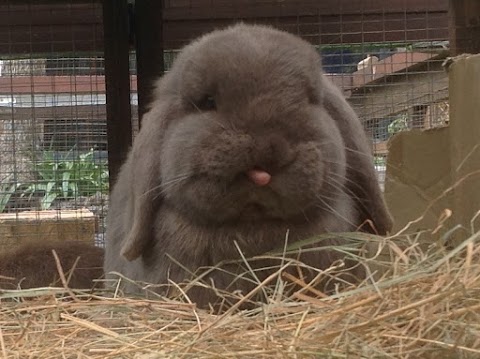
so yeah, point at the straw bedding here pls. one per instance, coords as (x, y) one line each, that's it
(425, 305)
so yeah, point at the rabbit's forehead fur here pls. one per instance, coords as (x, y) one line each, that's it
(253, 73)
(268, 114)
(244, 62)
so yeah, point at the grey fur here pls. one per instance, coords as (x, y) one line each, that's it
(182, 192)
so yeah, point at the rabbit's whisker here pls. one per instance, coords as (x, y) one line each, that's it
(367, 155)
(333, 211)
(168, 183)
(345, 187)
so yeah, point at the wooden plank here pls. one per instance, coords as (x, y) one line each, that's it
(380, 148)
(464, 26)
(77, 27)
(56, 84)
(400, 61)
(328, 30)
(214, 9)
(119, 122)
(33, 27)
(149, 49)
(50, 225)
(50, 13)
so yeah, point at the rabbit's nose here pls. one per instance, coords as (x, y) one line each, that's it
(259, 177)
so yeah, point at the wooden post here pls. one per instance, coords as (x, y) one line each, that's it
(117, 82)
(463, 91)
(149, 49)
(464, 26)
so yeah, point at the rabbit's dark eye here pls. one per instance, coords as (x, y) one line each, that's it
(207, 104)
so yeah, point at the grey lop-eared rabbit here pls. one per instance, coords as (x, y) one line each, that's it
(244, 141)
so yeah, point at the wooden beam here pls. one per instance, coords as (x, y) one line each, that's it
(117, 83)
(76, 26)
(400, 61)
(149, 49)
(322, 29)
(49, 225)
(464, 24)
(218, 9)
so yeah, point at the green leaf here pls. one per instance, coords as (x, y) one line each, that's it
(74, 188)
(50, 186)
(6, 192)
(65, 182)
(47, 200)
(39, 187)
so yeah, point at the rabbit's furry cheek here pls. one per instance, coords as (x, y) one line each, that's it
(205, 165)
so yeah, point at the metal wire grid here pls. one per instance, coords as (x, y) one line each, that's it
(52, 103)
(53, 148)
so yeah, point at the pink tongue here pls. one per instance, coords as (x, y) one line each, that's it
(259, 177)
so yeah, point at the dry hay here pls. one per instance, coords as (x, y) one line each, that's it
(426, 306)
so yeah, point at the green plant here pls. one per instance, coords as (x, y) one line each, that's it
(399, 124)
(66, 176)
(7, 189)
(379, 160)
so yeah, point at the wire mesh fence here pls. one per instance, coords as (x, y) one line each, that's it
(53, 148)
(386, 56)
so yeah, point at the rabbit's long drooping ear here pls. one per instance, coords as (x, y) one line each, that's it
(362, 181)
(143, 189)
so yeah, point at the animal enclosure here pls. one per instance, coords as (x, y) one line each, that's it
(56, 139)
(75, 82)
